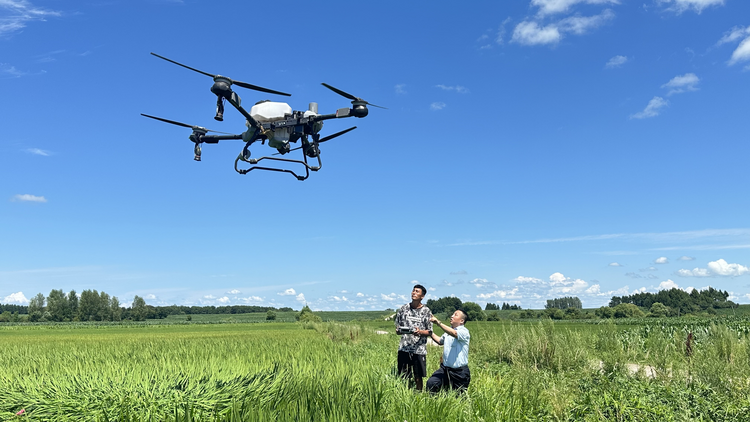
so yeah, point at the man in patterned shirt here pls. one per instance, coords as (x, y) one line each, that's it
(413, 323)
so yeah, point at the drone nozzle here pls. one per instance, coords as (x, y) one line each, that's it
(219, 109)
(197, 151)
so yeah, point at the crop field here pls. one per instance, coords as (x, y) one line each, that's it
(332, 371)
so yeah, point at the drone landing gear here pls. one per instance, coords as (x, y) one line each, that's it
(311, 149)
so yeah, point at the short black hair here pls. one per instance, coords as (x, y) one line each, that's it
(466, 317)
(419, 286)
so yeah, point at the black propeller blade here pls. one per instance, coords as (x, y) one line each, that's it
(350, 96)
(327, 138)
(198, 128)
(238, 83)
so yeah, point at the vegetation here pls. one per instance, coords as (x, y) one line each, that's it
(678, 301)
(564, 303)
(315, 371)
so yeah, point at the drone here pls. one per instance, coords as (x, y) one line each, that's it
(270, 121)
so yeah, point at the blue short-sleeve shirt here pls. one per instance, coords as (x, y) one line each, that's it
(456, 349)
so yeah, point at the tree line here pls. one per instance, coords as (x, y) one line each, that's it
(92, 305)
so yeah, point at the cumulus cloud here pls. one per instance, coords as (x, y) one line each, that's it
(682, 83)
(742, 52)
(300, 298)
(437, 106)
(287, 292)
(233, 292)
(661, 260)
(501, 294)
(615, 264)
(580, 25)
(716, 268)
(209, 297)
(652, 109)
(550, 7)
(530, 33)
(360, 295)
(251, 299)
(16, 299)
(28, 198)
(223, 300)
(667, 285)
(616, 61)
(564, 285)
(527, 280)
(19, 13)
(680, 6)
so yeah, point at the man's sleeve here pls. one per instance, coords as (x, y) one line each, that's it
(398, 318)
(442, 339)
(463, 335)
(428, 323)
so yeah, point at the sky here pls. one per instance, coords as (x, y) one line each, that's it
(529, 150)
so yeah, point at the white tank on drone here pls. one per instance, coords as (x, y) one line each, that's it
(269, 111)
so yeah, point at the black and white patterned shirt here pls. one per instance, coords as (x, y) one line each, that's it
(418, 318)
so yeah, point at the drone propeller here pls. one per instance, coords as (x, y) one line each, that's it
(238, 83)
(350, 96)
(195, 128)
(327, 138)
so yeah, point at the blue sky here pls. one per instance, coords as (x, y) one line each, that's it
(530, 150)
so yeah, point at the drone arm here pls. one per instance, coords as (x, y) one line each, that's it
(214, 139)
(339, 114)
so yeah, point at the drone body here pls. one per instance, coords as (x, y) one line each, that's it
(275, 122)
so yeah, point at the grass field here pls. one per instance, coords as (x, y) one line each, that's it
(333, 371)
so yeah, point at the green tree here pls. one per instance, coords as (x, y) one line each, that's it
(72, 306)
(89, 306)
(492, 307)
(658, 310)
(605, 312)
(114, 309)
(104, 312)
(270, 316)
(473, 311)
(36, 308)
(627, 310)
(5, 316)
(57, 305)
(307, 315)
(138, 308)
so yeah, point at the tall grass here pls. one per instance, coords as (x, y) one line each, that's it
(336, 372)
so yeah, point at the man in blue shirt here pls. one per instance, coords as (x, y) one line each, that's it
(454, 364)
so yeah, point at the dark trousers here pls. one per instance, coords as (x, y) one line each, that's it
(445, 377)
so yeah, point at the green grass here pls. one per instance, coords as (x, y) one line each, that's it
(332, 371)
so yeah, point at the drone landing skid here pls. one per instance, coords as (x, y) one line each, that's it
(255, 161)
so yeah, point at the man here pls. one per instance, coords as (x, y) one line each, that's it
(413, 323)
(454, 365)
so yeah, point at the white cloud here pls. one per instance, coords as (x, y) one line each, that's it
(742, 53)
(233, 292)
(415, 282)
(667, 285)
(616, 61)
(287, 292)
(27, 197)
(223, 299)
(437, 106)
(734, 34)
(400, 89)
(564, 285)
(501, 294)
(482, 283)
(527, 280)
(458, 88)
(686, 258)
(719, 267)
(682, 83)
(251, 299)
(300, 298)
(37, 151)
(615, 264)
(679, 6)
(6, 69)
(19, 13)
(549, 7)
(339, 299)
(579, 25)
(360, 295)
(16, 298)
(661, 260)
(209, 297)
(652, 109)
(150, 296)
(530, 33)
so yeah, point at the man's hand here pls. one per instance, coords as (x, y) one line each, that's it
(434, 320)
